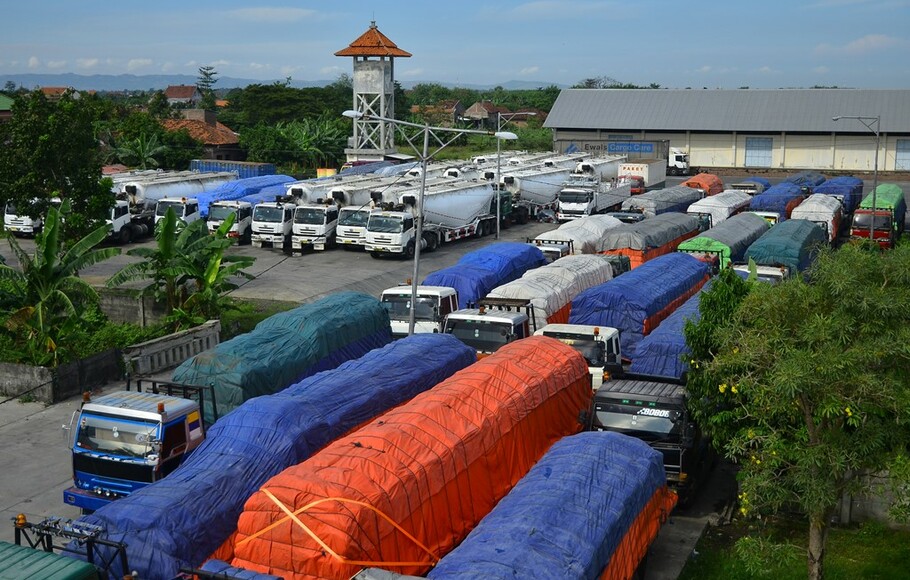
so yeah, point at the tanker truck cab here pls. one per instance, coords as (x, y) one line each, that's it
(186, 209)
(655, 411)
(242, 229)
(124, 441)
(272, 223)
(493, 324)
(433, 304)
(599, 346)
(390, 232)
(352, 226)
(314, 226)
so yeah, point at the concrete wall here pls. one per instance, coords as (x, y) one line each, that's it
(822, 151)
(125, 305)
(52, 385)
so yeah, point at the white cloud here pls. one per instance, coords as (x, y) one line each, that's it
(529, 70)
(865, 45)
(33, 62)
(258, 66)
(332, 70)
(221, 62)
(277, 15)
(821, 70)
(289, 70)
(86, 62)
(138, 63)
(412, 72)
(704, 69)
(765, 69)
(55, 64)
(167, 67)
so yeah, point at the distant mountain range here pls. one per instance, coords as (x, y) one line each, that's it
(160, 82)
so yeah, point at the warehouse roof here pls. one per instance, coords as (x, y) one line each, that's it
(790, 110)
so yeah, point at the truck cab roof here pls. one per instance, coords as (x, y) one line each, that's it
(489, 314)
(141, 405)
(663, 393)
(421, 291)
(569, 330)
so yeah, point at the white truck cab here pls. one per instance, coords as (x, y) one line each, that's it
(677, 162)
(123, 228)
(22, 224)
(272, 223)
(390, 232)
(768, 274)
(187, 209)
(599, 346)
(242, 230)
(352, 226)
(314, 226)
(493, 324)
(433, 304)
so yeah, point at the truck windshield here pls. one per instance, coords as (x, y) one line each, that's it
(399, 307)
(353, 217)
(268, 214)
(10, 209)
(116, 436)
(574, 196)
(384, 224)
(594, 351)
(483, 336)
(309, 215)
(220, 213)
(163, 205)
(645, 423)
(864, 220)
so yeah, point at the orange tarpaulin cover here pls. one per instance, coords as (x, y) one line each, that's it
(639, 257)
(405, 489)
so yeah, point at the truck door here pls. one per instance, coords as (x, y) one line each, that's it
(173, 447)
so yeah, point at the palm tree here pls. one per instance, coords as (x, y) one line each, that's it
(51, 294)
(143, 150)
(188, 268)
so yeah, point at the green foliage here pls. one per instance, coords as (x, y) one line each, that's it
(141, 152)
(206, 83)
(777, 551)
(188, 269)
(808, 387)
(50, 298)
(301, 146)
(50, 149)
(271, 104)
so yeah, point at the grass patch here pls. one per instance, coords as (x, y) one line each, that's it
(248, 314)
(868, 551)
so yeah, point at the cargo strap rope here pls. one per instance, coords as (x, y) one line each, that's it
(293, 516)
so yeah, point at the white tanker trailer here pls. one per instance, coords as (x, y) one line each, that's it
(451, 211)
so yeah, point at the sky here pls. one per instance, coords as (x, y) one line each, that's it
(712, 44)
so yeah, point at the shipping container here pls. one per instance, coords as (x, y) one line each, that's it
(243, 169)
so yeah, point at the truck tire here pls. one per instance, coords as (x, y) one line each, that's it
(125, 235)
(431, 240)
(409, 250)
(376, 255)
(247, 237)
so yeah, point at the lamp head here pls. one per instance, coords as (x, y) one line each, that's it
(353, 114)
(836, 118)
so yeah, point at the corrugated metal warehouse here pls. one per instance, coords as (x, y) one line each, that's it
(746, 128)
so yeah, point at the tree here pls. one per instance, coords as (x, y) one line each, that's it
(142, 151)
(809, 387)
(158, 107)
(206, 83)
(51, 296)
(50, 149)
(187, 261)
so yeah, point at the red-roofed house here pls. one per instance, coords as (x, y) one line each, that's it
(183, 95)
(445, 113)
(56, 93)
(218, 141)
(484, 114)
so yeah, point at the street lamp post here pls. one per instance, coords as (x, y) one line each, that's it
(441, 141)
(499, 125)
(869, 121)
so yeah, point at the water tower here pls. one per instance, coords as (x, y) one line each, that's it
(374, 95)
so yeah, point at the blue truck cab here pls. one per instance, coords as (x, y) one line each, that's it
(124, 441)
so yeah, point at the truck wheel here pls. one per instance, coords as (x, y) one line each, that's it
(247, 237)
(125, 235)
(375, 255)
(431, 242)
(409, 250)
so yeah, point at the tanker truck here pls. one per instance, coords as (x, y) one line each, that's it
(451, 211)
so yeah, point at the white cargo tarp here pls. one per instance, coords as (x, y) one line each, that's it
(822, 209)
(721, 206)
(676, 198)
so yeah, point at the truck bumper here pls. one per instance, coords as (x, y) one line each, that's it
(384, 249)
(275, 241)
(304, 243)
(84, 499)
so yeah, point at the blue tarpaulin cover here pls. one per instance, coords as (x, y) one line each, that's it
(626, 302)
(287, 347)
(664, 352)
(182, 519)
(761, 180)
(478, 272)
(776, 199)
(567, 517)
(266, 194)
(846, 188)
(228, 571)
(805, 179)
(234, 190)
